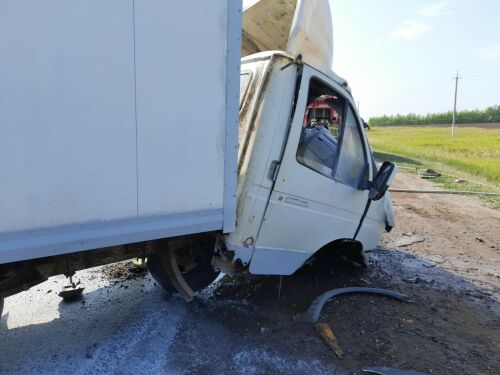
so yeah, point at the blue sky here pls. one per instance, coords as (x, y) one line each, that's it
(400, 56)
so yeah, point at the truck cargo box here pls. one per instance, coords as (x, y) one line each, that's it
(118, 122)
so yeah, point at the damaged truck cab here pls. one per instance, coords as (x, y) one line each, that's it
(303, 173)
(306, 174)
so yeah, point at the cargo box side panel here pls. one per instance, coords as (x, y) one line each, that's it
(233, 57)
(181, 98)
(67, 114)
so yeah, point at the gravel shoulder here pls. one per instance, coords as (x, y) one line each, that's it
(461, 233)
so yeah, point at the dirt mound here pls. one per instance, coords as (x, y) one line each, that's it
(122, 271)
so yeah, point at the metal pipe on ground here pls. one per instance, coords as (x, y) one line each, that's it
(417, 169)
(417, 191)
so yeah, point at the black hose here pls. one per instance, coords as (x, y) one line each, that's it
(362, 218)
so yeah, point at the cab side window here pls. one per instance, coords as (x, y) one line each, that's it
(318, 145)
(330, 142)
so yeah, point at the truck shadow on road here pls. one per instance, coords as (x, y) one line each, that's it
(241, 325)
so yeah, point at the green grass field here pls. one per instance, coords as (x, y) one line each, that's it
(473, 154)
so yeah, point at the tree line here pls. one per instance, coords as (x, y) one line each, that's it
(488, 115)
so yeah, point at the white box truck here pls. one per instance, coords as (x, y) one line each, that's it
(132, 129)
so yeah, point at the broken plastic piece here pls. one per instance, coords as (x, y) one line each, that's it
(391, 371)
(429, 173)
(311, 315)
(409, 239)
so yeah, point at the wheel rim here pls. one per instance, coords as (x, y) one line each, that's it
(192, 261)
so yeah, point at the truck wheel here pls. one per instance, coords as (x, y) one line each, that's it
(193, 257)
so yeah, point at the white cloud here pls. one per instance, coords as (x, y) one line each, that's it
(436, 9)
(410, 30)
(489, 54)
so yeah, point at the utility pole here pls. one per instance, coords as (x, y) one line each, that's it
(358, 108)
(455, 106)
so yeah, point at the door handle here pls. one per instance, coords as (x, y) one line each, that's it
(296, 202)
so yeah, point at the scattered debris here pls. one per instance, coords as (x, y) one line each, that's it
(140, 263)
(329, 337)
(418, 332)
(311, 315)
(390, 371)
(478, 239)
(91, 350)
(459, 181)
(409, 239)
(72, 291)
(430, 173)
(430, 265)
(121, 271)
(414, 280)
(307, 339)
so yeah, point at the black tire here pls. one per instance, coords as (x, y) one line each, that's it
(157, 270)
(198, 276)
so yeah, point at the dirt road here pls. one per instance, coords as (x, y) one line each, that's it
(126, 325)
(461, 234)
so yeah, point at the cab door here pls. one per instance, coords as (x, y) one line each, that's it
(318, 195)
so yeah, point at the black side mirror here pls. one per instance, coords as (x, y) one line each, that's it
(381, 182)
(377, 188)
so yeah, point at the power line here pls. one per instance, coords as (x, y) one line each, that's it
(488, 74)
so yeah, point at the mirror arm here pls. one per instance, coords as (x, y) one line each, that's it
(365, 185)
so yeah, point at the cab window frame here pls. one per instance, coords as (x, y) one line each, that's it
(363, 177)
